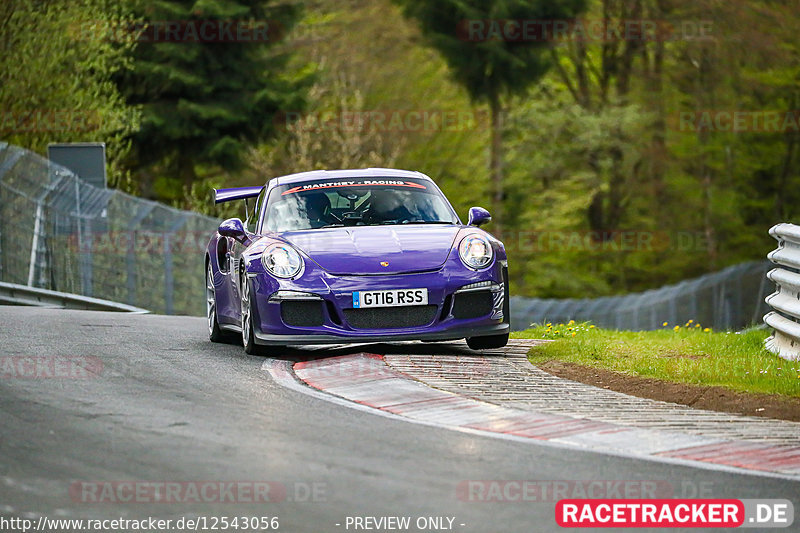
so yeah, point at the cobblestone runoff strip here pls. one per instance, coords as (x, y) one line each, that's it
(506, 377)
(501, 393)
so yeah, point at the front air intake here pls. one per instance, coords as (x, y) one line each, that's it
(409, 316)
(472, 304)
(302, 313)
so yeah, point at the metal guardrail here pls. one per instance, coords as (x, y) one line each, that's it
(785, 301)
(13, 294)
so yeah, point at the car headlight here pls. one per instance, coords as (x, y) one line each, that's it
(475, 251)
(282, 261)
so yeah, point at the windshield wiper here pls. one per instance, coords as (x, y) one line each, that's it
(428, 222)
(404, 222)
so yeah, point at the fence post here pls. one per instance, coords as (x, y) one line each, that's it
(169, 280)
(54, 179)
(7, 165)
(693, 301)
(3, 218)
(37, 222)
(3, 146)
(84, 244)
(759, 297)
(130, 253)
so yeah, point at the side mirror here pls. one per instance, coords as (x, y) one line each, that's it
(478, 216)
(233, 228)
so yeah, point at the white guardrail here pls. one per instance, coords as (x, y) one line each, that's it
(785, 319)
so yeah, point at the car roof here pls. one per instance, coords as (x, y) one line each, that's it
(315, 175)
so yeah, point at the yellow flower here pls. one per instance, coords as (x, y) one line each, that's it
(571, 322)
(549, 325)
(707, 330)
(697, 325)
(676, 328)
(690, 321)
(665, 324)
(573, 334)
(591, 327)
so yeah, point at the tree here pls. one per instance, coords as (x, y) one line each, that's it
(312, 143)
(487, 53)
(210, 84)
(55, 70)
(605, 137)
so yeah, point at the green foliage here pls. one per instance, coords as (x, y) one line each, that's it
(55, 76)
(369, 59)
(323, 139)
(559, 158)
(488, 66)
(599, 147)
(469, 36)
(205, 103)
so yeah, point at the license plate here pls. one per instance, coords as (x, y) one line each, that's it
(391, 298)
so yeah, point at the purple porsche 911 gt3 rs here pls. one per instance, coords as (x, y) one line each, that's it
(370, 255)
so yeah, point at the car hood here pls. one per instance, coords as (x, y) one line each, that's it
(360, 250)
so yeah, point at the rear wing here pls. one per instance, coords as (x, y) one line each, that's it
(237, 193)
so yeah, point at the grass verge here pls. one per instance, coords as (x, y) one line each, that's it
(684, 354)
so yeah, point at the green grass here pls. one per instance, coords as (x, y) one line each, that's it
(685, 355)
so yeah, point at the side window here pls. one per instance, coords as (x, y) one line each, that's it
(252, 217)
(222, 254)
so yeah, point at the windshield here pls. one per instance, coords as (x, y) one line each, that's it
(356, 202)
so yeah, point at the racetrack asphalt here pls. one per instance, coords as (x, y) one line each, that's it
(163, 404)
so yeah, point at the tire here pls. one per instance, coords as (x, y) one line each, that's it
(248, 333)
(488, 342)
(215, 333)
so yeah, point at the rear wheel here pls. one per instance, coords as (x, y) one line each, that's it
(488, 342)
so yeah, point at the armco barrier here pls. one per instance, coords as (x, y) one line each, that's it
(785, 301)
(12, 294)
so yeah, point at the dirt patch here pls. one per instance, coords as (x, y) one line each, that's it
(711, 398)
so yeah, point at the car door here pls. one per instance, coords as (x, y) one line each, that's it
(227, 300)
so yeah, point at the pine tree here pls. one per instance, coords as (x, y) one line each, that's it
(489, 57)
(210, 82)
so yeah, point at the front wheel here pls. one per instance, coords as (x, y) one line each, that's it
(215, 334)
(488, 342)
(248, 335)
